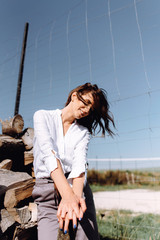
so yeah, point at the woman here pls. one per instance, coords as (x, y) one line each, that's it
(60, 148)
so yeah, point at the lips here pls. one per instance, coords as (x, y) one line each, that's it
(83, 114)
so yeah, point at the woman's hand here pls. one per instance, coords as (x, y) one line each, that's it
(64, 223)
(72, 214)
(67, 205)
(71, 201)
(83, 206)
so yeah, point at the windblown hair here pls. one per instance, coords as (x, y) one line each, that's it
(99, 115)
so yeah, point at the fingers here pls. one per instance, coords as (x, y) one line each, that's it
(70, 214)
(59, 212)
(63, 213)
(61, 223)
(77, 211)
(62, 210)
(66, 224)
(83, 204)
(74, 221)
(81, 214)
(68, 206)
(67, 212)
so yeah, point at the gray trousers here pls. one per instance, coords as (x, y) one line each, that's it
(47, 201)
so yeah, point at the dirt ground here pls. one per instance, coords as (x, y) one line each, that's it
(138, 200)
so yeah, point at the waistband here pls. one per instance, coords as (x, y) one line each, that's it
(49, 180)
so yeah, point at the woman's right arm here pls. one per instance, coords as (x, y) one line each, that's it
(69, 202)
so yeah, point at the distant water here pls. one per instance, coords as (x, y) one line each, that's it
(124, 165)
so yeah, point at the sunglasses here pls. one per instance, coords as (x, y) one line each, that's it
(85, 102)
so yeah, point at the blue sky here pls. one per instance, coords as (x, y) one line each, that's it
(113, 43)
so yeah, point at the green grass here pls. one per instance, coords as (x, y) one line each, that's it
(126, 225)
(98, 188)
(119, 180)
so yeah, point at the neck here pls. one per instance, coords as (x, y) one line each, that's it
(67, 116)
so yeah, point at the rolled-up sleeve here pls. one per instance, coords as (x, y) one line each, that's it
(80, 157)
(45, 142)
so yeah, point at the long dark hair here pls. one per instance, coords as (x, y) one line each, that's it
(99, 115)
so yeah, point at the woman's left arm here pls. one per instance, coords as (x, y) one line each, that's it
(78, 173)
(77, 187)
(78, 184)
(79, 170)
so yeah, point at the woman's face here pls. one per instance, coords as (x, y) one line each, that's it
(82, 104)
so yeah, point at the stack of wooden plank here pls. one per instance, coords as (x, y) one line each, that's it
(18, 213)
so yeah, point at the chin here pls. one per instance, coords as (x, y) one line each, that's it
(78, 117)
(81, 117)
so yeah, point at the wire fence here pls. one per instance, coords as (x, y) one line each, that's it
(116, 45)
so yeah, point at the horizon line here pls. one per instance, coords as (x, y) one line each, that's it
(123, 159)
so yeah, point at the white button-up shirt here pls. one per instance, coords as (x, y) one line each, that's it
(70, 149)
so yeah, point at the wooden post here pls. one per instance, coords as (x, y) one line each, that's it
(21, 70)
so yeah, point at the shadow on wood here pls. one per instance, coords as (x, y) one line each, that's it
(13, 149)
